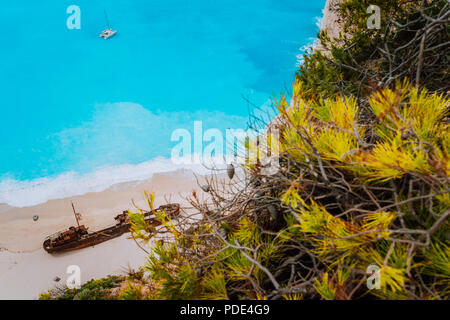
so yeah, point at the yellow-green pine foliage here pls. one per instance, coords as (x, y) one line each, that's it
(405, 142)
(411, 136)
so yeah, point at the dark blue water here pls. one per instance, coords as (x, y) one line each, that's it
(71, 102)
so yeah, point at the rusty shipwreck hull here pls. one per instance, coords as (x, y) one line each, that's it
(79, 238)
(88, 240)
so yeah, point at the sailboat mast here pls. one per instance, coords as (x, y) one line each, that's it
(107, 21)
(76, 216)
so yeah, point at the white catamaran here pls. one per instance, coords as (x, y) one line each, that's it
(108, 33)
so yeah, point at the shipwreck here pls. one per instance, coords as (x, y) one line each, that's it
(79, 237)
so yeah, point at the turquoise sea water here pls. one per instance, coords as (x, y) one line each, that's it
(75, 107)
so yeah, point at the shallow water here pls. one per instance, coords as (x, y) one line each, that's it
(72, 103)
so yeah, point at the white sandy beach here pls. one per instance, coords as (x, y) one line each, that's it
(27, 270)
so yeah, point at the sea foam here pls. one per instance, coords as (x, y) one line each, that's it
(26, 193)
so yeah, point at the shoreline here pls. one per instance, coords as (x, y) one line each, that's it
(19, 232)
(28, 193)
(26, 270)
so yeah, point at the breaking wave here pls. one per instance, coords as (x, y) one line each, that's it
(18, 193)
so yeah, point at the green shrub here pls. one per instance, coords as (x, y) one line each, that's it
(362, 60)
(131, 293)
(92, 290)
(364, 178)
(349, 194)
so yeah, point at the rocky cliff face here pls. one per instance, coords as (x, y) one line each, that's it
(331, 22)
